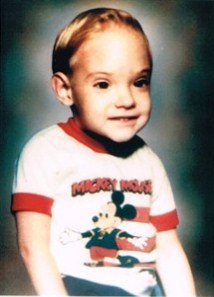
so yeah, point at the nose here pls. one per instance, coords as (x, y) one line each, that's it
(124, 98)
(95, 219)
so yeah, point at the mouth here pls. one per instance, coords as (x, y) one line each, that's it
(124, 119)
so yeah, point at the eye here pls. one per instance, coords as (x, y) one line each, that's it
(142, 82)
(106, 215)
(100, 214)
(102, 85)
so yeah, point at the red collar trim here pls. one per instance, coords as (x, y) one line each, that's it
(73, 130)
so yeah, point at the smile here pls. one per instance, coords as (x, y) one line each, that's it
(125, 119)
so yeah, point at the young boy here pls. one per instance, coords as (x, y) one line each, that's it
(94, 208)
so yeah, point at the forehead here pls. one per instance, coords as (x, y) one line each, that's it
(114, 46)
(109, 207)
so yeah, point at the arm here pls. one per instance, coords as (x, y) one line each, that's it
(173, 266)
(33, 239)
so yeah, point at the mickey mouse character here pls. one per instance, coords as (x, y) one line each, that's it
(103, 239)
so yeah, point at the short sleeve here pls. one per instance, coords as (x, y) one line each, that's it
(33, 186)
(163, 214)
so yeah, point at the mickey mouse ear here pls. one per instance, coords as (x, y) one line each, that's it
(129, 211)
(117, 197)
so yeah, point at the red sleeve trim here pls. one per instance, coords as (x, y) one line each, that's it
(166, 221)
(31, 202)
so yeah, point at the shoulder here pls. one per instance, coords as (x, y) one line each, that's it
(149, 155)
(45, 135)
(37, 150)
(46, 141)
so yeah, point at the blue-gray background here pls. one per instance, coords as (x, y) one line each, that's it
(180, 130)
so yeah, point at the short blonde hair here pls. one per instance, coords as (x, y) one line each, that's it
(69, 40)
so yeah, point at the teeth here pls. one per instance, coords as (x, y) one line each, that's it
(124, 119)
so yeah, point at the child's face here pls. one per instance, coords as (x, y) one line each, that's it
(111, 84)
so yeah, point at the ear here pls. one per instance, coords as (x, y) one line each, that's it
(129, 211)
(117, 197)
(62, 88)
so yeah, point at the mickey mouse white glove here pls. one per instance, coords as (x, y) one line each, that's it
(139, 242)
(69, 235)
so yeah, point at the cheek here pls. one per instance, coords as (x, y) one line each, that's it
(146, 104)
(110, 222)
(106, 223)
(94, 108)
(82, 104)
(84, 101)
(149, 107)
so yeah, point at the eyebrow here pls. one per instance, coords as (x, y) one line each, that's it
(146, 71)
(98, 73)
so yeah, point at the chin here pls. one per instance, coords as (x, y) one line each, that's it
(121, 138)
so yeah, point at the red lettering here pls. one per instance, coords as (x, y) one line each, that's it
(78, 189)
(103, 184)
(148, 187)
(93, 186)
(107, 184)
(136, 187)
(113, 183)
(124, 185)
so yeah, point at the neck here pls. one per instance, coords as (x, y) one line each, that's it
(119, 149)
(101, 144)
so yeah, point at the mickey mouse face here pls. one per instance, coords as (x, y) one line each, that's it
(106, 218)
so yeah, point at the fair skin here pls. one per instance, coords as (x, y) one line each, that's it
(110, 87)
(34, 242)
(173, 266)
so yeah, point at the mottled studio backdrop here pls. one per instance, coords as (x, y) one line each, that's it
(180, 130)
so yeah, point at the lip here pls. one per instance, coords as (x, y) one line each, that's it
(124, 119)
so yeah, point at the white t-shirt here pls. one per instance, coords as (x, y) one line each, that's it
(66, 174)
